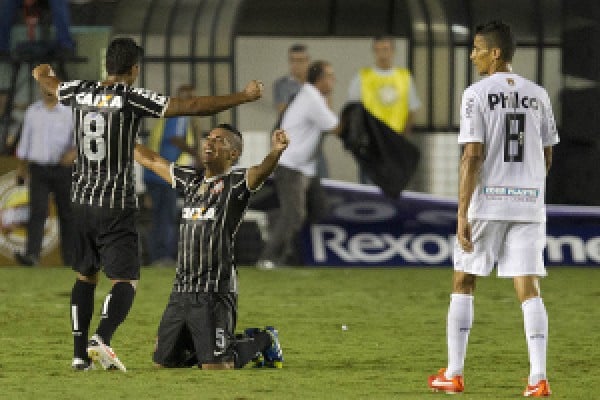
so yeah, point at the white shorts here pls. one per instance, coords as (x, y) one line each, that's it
(516, 247)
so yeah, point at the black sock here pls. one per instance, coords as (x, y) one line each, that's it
(82, 308)
(247, 347)
(115, 309)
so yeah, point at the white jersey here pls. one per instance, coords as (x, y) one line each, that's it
(513, 118)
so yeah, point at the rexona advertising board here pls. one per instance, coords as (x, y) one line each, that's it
(365, 229)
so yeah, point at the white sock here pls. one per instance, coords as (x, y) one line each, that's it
(536, 333)
(458, 326)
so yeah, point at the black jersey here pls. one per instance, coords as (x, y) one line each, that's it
(106, 120)
(212, 213)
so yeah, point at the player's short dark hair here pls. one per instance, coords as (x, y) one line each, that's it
(385, 38)
(238, 140)
(498, 34)
(297, 48)
(121, 55)
(316, 71)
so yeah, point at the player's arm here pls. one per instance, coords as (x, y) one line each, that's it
(153, 161)
(470, 166)
(46, 77)
(210, 105)
(257, 174)
(548, 158)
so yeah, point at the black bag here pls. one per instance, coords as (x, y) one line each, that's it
(387, 157)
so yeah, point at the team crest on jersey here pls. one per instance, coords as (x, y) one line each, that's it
(218, 188)
(202, 189)
(99, 100)
(510, 81)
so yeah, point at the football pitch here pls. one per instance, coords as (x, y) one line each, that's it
(395, 337)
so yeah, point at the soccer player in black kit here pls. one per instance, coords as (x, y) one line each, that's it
(199, 321)
(107, 116)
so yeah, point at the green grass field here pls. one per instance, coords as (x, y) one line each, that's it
(395, 337)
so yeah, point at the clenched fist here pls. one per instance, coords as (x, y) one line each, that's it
(280, 140)
(254, 90)
(42, 70)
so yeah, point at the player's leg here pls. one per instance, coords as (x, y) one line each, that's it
(209, 330)
(522, 259)
(86, 264)
(173, 336)
(479, 262)
(253, 345)
(82, 308)
(118, 249)
(459, 321)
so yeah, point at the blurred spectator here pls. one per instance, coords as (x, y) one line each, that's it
(287, 86)
(304, 120)
(46, 155)
(386, 92)
(60, 18)
(174, 139)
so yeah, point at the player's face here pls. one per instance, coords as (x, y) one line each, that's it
(299, 63)
(384, 53)
(216, 148)
(482, 56)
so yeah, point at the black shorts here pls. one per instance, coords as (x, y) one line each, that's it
(106, 238)
(198, 325)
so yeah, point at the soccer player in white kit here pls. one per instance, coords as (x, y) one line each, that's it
(507, 128)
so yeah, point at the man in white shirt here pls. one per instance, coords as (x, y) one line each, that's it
(508, 130)
(46, 155)
(306, 117)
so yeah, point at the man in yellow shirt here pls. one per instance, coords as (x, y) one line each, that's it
(387, 92)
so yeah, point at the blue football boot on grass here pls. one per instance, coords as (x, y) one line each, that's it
(274, 354)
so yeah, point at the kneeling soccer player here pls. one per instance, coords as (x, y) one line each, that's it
(199, 322)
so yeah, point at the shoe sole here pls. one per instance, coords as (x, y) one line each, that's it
(105, 361)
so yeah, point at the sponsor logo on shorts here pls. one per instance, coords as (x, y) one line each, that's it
(511, 193)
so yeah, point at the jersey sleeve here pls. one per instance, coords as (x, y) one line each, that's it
(181, 177)
(65, 92)
(147, 103)
(472, 127)
(548, 126)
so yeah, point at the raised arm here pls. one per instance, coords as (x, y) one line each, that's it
(210, 105)
(46, 77)
(470, 165)
(153, 161)
(259, 173)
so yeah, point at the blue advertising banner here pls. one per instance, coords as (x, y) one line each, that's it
(364, 228)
